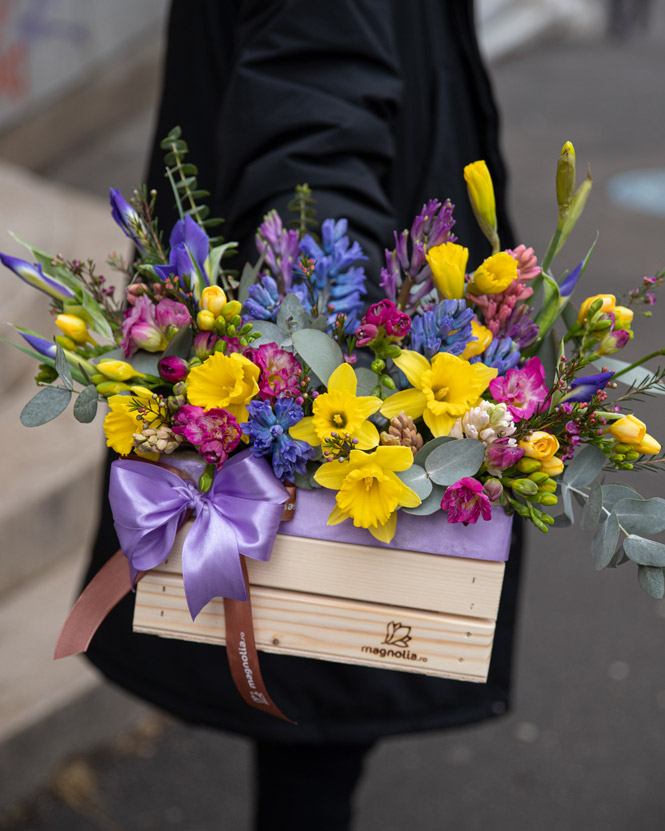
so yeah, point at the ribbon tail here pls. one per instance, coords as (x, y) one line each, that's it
(106, 589)
(242, 655)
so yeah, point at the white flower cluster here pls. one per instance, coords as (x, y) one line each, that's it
(486, 422)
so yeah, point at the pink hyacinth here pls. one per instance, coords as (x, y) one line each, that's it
(280, 371)
(466, 501)
(522, 390)
(527, 263)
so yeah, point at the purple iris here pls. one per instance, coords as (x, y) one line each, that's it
(583, 390)
(127, 218)
(33, 274)
(189, 250)
(570, 281)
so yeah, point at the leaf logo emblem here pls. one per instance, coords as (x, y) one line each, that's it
(397, 635)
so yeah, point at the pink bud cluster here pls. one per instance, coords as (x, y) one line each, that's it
(382, 319)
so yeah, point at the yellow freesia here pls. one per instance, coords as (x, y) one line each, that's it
(123, 420)
(540, 445)
(609, 302)
(648, 446)
(205, 320)
(74, 328)
(483, 339)
(494, 274)
(552, 466)
(225, 381)
(340, 411)
(369, 492)
(481, 195)
(448, 264)
(623, 317)
(213, 299)
(628, 430)
(443, 389)
(118, 370)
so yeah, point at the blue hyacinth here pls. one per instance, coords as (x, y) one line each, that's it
(502, 354)
(268, 431)
(263, 299)
(446, 328)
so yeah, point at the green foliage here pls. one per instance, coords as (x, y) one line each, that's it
(417, 479)
(585, 467)
(45, 406)
(85, 406)
(604, 544)
(62, 368)
(452, 461)
(182, 176)
(303, 206)
(319, 352)
(592, 509)
(652, 581)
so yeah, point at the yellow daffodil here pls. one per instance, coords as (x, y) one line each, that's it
(628, 430)
(225, 381)
(443, 390)
(494, 274)
(483, 339)
(340, 411)
(481, 195)
(118, 370)
(609, 302)
(648, 446)
(213, 299)
(540, 445)
(122, 420)
(448, 263)
(369, 492)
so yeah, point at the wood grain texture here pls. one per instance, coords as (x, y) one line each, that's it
(328, 628)
(432, 582)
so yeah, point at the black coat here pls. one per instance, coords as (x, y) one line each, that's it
(378, 106)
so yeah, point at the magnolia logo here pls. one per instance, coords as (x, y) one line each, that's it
(397, 635)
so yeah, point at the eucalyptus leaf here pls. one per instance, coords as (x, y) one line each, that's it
(604, 544)
(318, 351)
(593, 508)
(614, 491)
(585, 467)
(452, 461)
(62, 367)
(430, 505)
(248, 278)
(417, 479)
(421, 456)
(561, 521)
(652, 581)
(641, 516)
(644, 552)
(269, 334)
(180, 345)
(567, 502)
(366, 380)
(45, 406)
(99, 323)
(320, 323)
(291, 316)
(85, 406)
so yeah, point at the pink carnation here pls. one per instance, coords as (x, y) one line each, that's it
(214, 433)
(522, 390)
(280, 371)
(466, 502)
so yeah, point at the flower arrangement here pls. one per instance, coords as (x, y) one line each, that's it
(468, 389)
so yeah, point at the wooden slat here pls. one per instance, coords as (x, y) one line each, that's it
(455, 585)
(327, 628)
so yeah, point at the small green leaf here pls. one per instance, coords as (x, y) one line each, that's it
(641, 516)
(644, 552)
(291, 316)
(366, 380)
(452, 461)
(430, 505)
(417, 479)
(180, 345)
(561, 521)
(99, 323)
(421, 456)
(45, 406)
(62, 367)
(651, 581)
(592, 510)
(605, 542)
(85, 406)
(319, 352)
(585, 467)
(269, 333)
(249, 274)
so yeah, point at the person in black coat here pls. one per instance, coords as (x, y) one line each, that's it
(377, 105)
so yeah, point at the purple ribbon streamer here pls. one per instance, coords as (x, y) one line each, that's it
(239, 514)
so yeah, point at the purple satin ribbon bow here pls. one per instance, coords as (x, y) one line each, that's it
(239, 514)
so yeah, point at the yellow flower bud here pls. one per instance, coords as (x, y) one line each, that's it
(74, 328)
(107, 388)
(481, 195)
(628, 430)
(448, 263)
(565, 181)
(118, 370)
(648, 446)
(552, 466)
(213, 299)
(231, 309)
(623, 316)
(494, 275)
(540, 445)
(609, 304)
(477, 347)
(65, 342)
(205, 320)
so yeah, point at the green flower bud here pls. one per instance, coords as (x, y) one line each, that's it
(46, 374)
(378, 365)
(220, 346)
(387, 382)
(393, 351)
(547, 519)
(528, 465)
(107, 388)
(565, 181)
(525, 487)
(65, 342)
(548, 486)
(632, 456)
(205, 479)
(231, 330)
(538, 477)
(621, 447)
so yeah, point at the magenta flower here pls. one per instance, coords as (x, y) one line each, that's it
(379, 313)
(280, 371)
(172, 316)
(140, 329)
(466, 502)
(398, 326)
(184, 416)
(366, 333)
(214, 433)
(503, 453)
(173, 369)
(204, 343)
(522, 390)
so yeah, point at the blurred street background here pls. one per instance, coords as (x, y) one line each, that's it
(583, 745)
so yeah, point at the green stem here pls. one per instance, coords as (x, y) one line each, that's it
(638, 363)
(551, 250)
